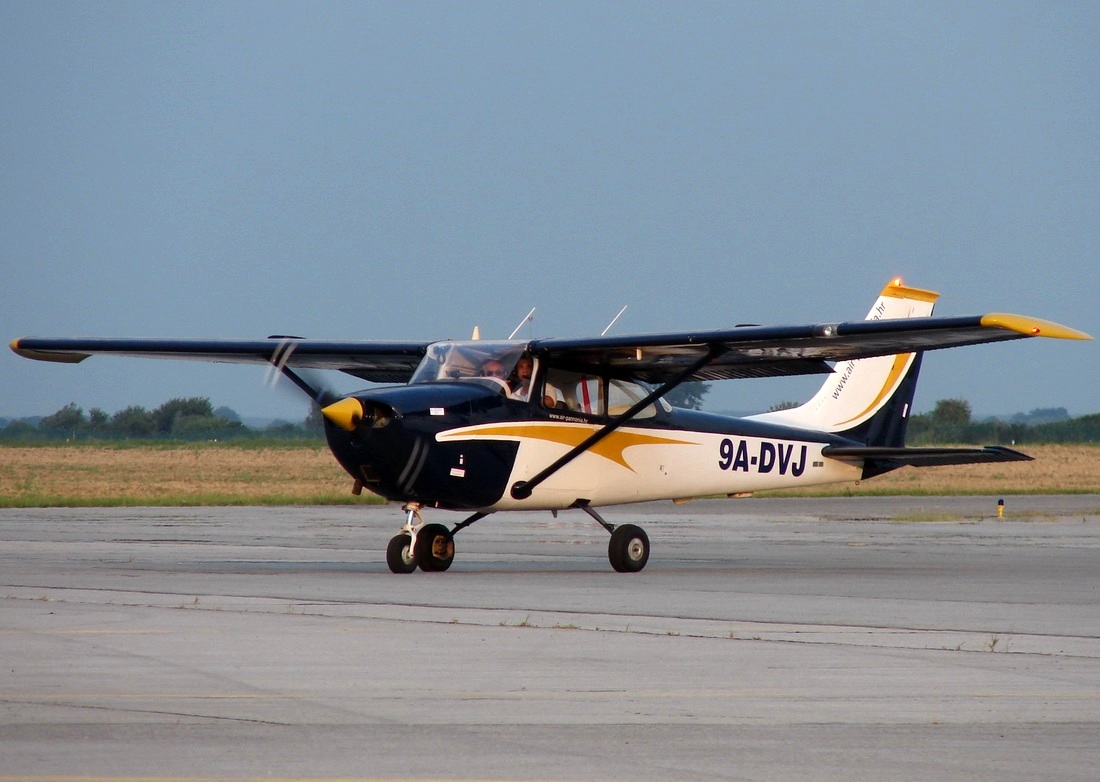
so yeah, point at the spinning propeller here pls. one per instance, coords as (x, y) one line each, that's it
(311, 383)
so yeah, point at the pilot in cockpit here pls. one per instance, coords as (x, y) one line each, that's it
(520, 381)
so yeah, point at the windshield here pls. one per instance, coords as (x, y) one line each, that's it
(460, 360)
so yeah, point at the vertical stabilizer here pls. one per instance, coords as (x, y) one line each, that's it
(868, 399)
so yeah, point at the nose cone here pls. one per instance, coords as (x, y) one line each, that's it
(347, 413)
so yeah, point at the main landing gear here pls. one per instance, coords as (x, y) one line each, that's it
(628, 549)
(431, 547)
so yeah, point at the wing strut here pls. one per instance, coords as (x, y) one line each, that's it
(521, 490)
(321, 396)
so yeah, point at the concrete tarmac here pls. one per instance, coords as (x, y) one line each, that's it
(897, 638)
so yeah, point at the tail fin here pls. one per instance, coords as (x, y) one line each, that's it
(868, 400)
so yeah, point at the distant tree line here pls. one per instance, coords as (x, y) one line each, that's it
(950, 421)
(688, 395)
(192, 418)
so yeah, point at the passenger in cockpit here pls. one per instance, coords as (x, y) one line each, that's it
(492, 368)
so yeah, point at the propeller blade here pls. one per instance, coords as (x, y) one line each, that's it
(308, 382)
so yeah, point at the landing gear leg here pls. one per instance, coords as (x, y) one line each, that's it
(628, 550)
(401, 554)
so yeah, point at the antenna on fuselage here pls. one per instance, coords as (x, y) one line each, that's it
(612, 323)
(527, 319)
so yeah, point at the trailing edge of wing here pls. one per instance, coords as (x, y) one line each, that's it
(380, 362)
(758, 351)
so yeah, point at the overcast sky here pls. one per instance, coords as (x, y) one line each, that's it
(408, 170)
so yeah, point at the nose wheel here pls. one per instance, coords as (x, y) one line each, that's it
(431, 547)
(399, 554)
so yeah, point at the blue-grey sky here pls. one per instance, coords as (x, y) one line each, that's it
(407, 170)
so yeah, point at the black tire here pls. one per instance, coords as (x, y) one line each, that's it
(399, 554)
(628, 550)
(435, 548)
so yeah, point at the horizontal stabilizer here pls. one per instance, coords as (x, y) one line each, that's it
(880, 460)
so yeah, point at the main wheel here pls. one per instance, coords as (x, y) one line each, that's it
(435, 548)
(628, 549)
(399, 554)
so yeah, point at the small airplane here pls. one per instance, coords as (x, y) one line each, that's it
(551, 424)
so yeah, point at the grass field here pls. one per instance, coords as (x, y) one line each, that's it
(193, 474)
(306, 474)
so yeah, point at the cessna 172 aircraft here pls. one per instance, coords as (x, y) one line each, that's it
(483, 426)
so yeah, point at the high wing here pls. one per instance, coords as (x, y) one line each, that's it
(749, 351)
(377, 361)
(762, 351)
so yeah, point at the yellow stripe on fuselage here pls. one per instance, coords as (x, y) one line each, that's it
(567, 434)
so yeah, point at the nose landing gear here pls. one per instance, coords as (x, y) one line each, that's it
(431, 547)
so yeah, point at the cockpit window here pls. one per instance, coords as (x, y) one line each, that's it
(507, 367)
(458, 360)
(503, 366)
(593, 395)
(623, 395)
(573, 391)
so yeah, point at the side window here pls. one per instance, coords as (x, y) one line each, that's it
(623, 395)
(573, 391)
(588, 395)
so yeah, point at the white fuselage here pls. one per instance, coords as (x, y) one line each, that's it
(642, 464)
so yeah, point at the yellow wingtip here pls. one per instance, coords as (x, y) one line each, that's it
(41, 355)
(1032, 327)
